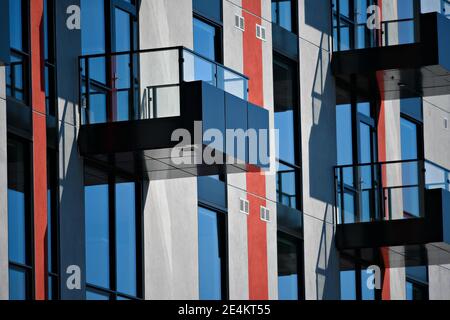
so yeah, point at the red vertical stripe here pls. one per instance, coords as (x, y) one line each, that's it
(39, 148)
(256, 182)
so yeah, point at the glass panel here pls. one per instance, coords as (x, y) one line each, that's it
(16, 24)
(204, 39)
(348, 285)
(365, 183)
(18, 216)
(93, 26)
(285, 106)
(344, 134)
(286, 186)
(282, 13)
(17, 285)
(126, 238)
(97, 109)
(210, 270)
(287, 268)
(97, 234)
(15, 77)
(198, 69)
(410, 170)
(349, 208)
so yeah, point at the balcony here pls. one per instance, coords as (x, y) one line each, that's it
(414, 68)
(169, 113)
(393, 214)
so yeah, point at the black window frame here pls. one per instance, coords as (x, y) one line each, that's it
(300, 261)
(112, 176)
(25, 55)
(222, 219)
(51, 101)
(358, 269)
(218, 40)
(27, 268)
(294, 16)
(294, 66)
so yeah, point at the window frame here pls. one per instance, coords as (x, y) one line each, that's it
(301, 291)
(25, 55)
(27, 268)
(222, 219)
(294, 16)
(112, 177)
(294, 66)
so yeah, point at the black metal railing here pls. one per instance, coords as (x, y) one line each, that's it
(386, 191)
(144, 84)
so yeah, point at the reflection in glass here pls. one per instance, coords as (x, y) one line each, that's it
(97, 234)
(126, 238)
(210, 264)
(348, 285)
(288, 269)
(286, 186)
(410, 170)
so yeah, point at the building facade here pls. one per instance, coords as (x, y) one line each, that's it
(347, 199)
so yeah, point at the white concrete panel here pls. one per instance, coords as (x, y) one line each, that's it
(272, 251)
(322, 280)
(319, 152)
(171, 240)
(439, 282)
(166, 23)
(232, 36)
(170, 207)
(436, 136)
(237, 246)
(315, 22)
(4, 284)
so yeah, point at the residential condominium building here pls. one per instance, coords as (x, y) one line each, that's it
(224, 149)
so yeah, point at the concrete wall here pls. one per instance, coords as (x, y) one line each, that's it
(437, 150)
(170, 207)
(271, 195)
(4, 284)
(237, 184)
(319, 153)
(394, 178)
(71, 182)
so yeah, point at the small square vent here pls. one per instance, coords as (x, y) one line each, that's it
(244, 206)
(239, 22)
(265, 214)
(260, 32)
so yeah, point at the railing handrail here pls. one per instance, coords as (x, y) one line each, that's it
(141, 51)
(380, 163)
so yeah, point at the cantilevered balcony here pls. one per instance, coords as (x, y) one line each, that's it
(393, 213)
(418, 68)
(169, 113)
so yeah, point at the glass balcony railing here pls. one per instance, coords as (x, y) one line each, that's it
(145, 84)
(386, 191)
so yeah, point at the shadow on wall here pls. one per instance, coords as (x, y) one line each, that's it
(318, 15)
(327, 279)
(322, 147)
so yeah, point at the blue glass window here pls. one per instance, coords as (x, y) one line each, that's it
(410, 170)
(97, 235)
(210, 255)
(112, 236)
(19, 220)
(283, 14)
(126, 238)
(286, 122)
(288, 267)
